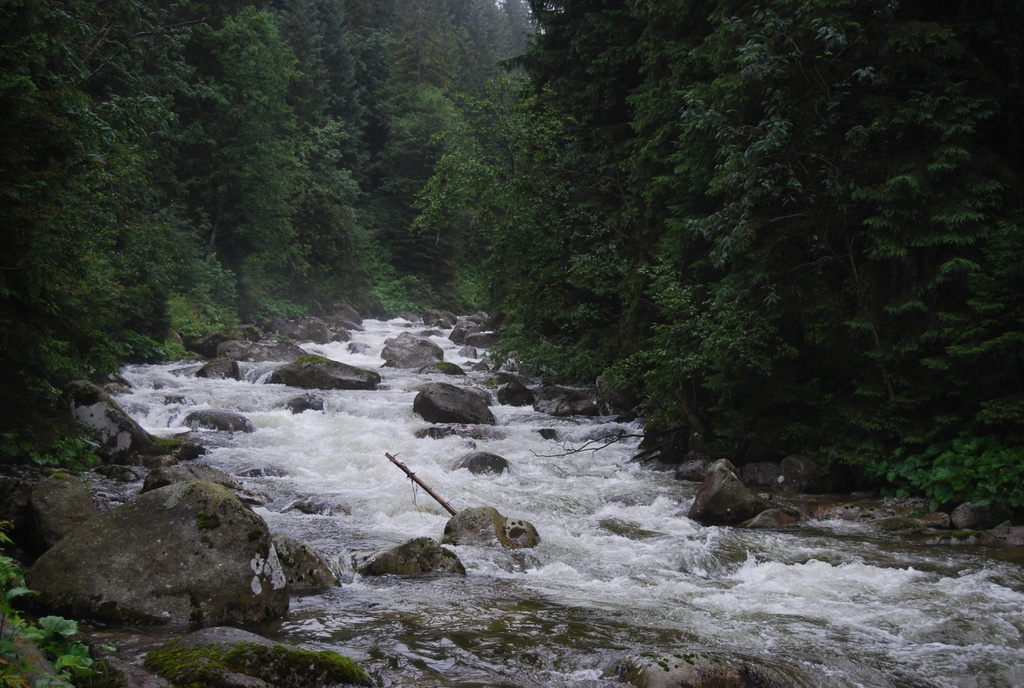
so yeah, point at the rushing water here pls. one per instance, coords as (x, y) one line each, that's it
(620, 568)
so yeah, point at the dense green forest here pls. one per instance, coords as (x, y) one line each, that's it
(795, 224)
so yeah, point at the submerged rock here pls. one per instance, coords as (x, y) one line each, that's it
(224, 657)
(414, 558)
(687, 670)
(481, 462)
(186, 553)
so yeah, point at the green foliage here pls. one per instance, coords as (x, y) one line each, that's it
(73, 451)
(969, 469)
(53, 635)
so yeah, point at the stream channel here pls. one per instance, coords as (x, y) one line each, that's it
(620, 568)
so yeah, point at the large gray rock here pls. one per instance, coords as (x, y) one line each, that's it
(409, 351)
(486, 526)
(723, 499)
(119, 438)
(800, 474)
(561, 401)
(304, 569)
(686, 670)
(60, 503)
(440, 402)
(414, 558)
(243, 350)
(970, 516)
(186, 553)
(317, 372)
(515, 393)
(220, 420)
(225, 657)
(462, 330)
(220, 369)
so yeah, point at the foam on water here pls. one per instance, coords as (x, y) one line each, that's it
(619, 569)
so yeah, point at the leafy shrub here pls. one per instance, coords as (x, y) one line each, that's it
(969, 469)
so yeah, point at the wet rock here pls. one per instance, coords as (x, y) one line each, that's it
(723, 499)
(686, 670)
(481, 462)
(462, 330)
(409, 351)
(121, 474)
(665, 444)
(969, 516)
(445, 368)
(468, 352)
(220, 369)
(436, 318)
(205, 345)
(562, 401)
(311, 329)
(346, 311)
(317, 372)
(613, 401)
(548, 433)
(224, 657)
(772, 518)
(304, 569)
(481, 340)
(357, 348)
(761, 474)
(414, 558)
(486, 526)
(190, 450)
(316, 507)
(119, 439)
(241, 350)
(441, 402)
(471, 432)
(124, 674)
(220, 420)
(693, 471)
(169, 475)
(480, 318)
(188, 552)
(60, 503)
(800, 474)
(901, 525)
(303, 403)
(515, 393)
(1004, 535)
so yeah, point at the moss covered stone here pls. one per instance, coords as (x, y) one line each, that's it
(216, 656)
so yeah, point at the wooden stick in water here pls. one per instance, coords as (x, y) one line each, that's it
(419, 482)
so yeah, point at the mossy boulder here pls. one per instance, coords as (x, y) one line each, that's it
(317, 372)
(229, 657)
(186, 553)
(414, 558)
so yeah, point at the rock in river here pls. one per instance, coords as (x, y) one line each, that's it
(441, 402)
(317, 372)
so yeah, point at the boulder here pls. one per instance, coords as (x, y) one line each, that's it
(772, 518)
(481, 462)
(220, 369)
(304, 569)
(440, 402)
(220, 420)
(59, 503)
(561, 401)
(303, 403)
(686, 670)
(666, 444)
(515, 393)
(462, 330)
(800, 474)
(414, 558)
(470, 432)
(169, 475)
(409, 351)
(435, 318)
(344, 310)
(186, 553)
(318, 507)
(310, 329)
(485, 526)
(119, 439)
(693, 471)
(969, 516)
(723, 499)
(241, 350)
(205, 345)
(762, 474)
(317, 372)
(480, 340)
(445, 368)
(225, 657)
(614, 401)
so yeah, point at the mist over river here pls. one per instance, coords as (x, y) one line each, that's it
(620, 568)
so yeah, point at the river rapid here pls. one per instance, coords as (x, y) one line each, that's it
(620, 568)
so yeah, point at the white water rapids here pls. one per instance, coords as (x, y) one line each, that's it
(620, 569)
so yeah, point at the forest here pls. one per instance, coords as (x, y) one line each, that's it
(795, 223)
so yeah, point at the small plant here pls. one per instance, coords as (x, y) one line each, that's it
(53, 635)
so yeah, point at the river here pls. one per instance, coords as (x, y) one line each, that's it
(620, 568)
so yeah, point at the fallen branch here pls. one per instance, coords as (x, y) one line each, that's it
(568, 449)
(412, 476)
